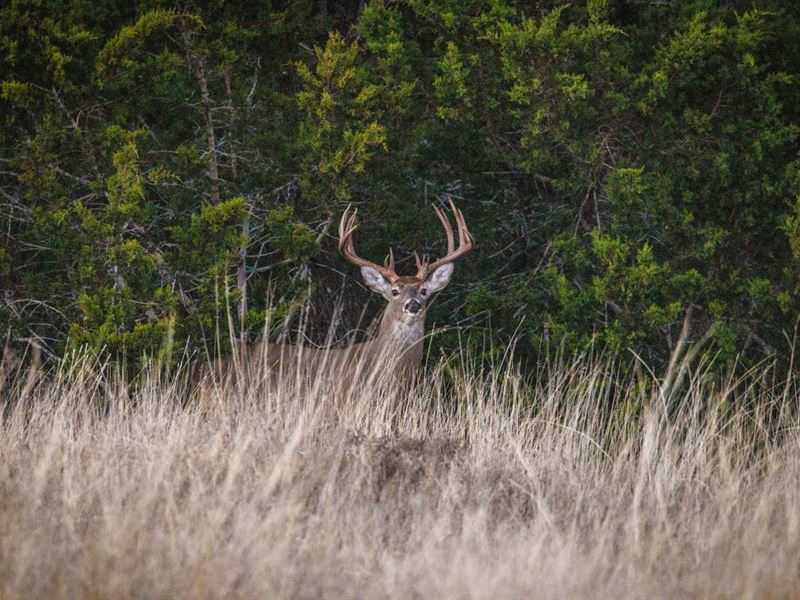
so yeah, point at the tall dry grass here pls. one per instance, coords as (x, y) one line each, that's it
(474, 484)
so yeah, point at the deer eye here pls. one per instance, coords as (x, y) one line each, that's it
(423, 292)
(395, 292)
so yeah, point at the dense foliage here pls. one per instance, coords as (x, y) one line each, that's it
(164, 168)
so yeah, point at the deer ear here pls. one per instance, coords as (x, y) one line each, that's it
(376, 282)
(439, 278)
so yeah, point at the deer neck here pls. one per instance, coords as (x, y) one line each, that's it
(397, 333)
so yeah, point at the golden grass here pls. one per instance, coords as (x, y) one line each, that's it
(475, 484)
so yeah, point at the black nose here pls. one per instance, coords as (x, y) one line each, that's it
(413, 306)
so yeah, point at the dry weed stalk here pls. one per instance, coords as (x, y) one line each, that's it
(476, 483)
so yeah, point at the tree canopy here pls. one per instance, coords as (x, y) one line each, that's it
(165, 167)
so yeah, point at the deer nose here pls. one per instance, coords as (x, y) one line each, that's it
(412, 306)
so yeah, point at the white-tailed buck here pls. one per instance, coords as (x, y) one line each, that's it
(399, 341)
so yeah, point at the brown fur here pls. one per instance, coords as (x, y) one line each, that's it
(396, 347)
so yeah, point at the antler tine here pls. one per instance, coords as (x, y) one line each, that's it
(462, 224)
(389, 261)
(422, 265)
(448, 228)
(347, 225)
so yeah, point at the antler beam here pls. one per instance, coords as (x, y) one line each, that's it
(424, 267)
(348, 225)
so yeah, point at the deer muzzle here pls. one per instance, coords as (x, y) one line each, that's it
(412, 306)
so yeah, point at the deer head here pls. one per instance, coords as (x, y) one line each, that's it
(408, 294)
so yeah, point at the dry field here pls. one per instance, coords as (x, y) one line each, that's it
(477, 484)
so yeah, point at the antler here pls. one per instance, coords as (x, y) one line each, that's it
(346, 228)
(424, 266)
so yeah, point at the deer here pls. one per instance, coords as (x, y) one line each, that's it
(398, 343)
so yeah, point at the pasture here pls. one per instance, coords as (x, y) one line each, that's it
(476, 483)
